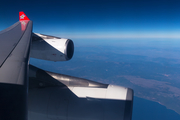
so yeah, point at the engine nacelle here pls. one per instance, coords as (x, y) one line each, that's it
(51, 48)
(61, 97)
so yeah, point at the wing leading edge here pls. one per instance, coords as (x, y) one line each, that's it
(14, 56)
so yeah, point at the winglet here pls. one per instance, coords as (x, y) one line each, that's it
(22, 16)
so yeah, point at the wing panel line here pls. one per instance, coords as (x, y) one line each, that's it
(13, 46)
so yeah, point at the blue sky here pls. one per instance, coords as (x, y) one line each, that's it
(97, 18)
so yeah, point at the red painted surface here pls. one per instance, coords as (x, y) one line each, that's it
(22, 16)
(24, 20)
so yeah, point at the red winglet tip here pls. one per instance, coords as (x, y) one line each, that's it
(23, 16)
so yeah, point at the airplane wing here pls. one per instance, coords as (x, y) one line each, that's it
(14, 56)
(48, 95)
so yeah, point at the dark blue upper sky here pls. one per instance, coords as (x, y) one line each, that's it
(97, 18)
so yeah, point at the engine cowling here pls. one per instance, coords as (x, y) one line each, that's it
(55, 96)
(51, 48)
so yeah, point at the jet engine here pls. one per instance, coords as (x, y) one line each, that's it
(55, 96)
(51, 48)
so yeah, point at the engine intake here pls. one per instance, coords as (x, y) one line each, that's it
(69, 51)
